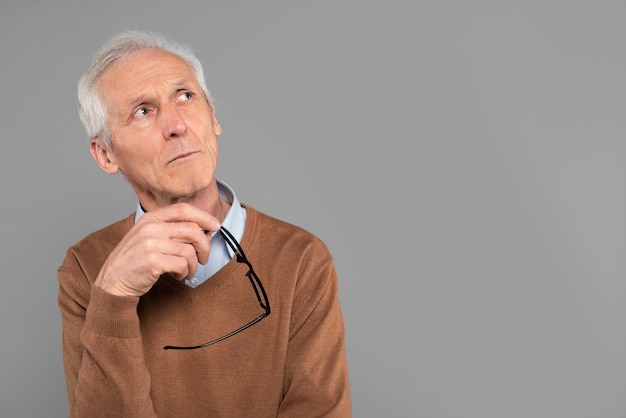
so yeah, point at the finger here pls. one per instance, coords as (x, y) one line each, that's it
(183, 212)
(182, 232)
(191, 233)
(177, 259)
(179, 268)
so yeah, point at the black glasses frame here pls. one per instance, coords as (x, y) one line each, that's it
(257, 286)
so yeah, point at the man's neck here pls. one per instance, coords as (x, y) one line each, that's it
(208, 200)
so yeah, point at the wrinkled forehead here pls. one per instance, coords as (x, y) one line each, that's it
(144, 73)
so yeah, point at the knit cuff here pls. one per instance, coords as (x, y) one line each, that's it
(112, 316)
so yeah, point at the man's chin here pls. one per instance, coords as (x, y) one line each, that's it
(189, 192)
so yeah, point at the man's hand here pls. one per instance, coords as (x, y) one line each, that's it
(171, 240)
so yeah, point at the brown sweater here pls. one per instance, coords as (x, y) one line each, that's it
(291, 364)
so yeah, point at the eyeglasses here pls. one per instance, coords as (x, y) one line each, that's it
(257, 286)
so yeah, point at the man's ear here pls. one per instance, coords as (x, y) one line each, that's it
(217, 128)
(103, 156)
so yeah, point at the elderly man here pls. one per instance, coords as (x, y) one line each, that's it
(195, 305)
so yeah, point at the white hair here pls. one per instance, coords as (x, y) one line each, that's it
(91, 107)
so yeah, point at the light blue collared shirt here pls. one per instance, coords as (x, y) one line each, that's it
(221, 253)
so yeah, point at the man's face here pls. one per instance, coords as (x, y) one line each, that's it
(164, 131)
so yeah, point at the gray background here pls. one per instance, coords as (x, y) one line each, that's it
(464, 162)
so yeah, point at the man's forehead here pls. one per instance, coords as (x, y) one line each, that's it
(151, 55)
(143, 73)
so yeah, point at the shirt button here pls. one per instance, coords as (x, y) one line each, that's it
(194, 282)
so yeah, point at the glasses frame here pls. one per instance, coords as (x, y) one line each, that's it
(257, 286)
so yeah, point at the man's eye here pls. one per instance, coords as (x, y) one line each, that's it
(142, 111)
(186, 96)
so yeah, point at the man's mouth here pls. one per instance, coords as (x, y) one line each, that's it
(182, 156)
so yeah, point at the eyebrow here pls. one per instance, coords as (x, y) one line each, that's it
(138, 100)
(147, 97)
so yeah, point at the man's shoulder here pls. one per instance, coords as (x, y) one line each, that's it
(87, 256)
(276, 225)
(109, 236)
(270, 228)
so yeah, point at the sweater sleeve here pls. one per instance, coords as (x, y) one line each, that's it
(105, 370)
(316, 375)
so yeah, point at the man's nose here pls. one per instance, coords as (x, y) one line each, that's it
(174, 125)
